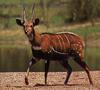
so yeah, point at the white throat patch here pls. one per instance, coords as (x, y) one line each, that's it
(36, 47)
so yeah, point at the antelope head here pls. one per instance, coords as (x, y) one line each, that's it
(28, 25)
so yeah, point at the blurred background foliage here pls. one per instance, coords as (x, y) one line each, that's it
(50, 12)
(79, 16)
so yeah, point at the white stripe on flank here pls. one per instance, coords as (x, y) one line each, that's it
(67, 39)
(59, 41)
(71, 34)
(62, 42)
(36, 47)
(58, 51)
(60, 38)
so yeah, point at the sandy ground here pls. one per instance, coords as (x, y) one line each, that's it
(78, 81)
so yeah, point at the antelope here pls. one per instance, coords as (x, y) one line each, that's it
(53, 46)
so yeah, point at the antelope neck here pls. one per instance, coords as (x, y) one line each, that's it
(36, 39)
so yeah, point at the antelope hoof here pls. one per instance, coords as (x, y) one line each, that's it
(45, 84)
(65, 83)
(26, 81)
(91, 83)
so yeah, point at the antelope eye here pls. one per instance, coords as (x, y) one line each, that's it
(31, 26)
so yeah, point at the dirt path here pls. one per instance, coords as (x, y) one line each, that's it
(78, 81)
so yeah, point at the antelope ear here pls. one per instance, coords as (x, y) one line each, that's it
(37, 21)
(19, 21)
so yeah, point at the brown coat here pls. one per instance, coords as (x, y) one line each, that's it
(61, 42)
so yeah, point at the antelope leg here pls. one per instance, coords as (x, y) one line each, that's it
(47, 63)
(84, 66)
(68, 68)
(31, 62)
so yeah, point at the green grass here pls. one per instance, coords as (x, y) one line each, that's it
(18, 1)
(11, 35)
(87, 31)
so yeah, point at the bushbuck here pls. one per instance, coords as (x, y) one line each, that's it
(53, 46)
